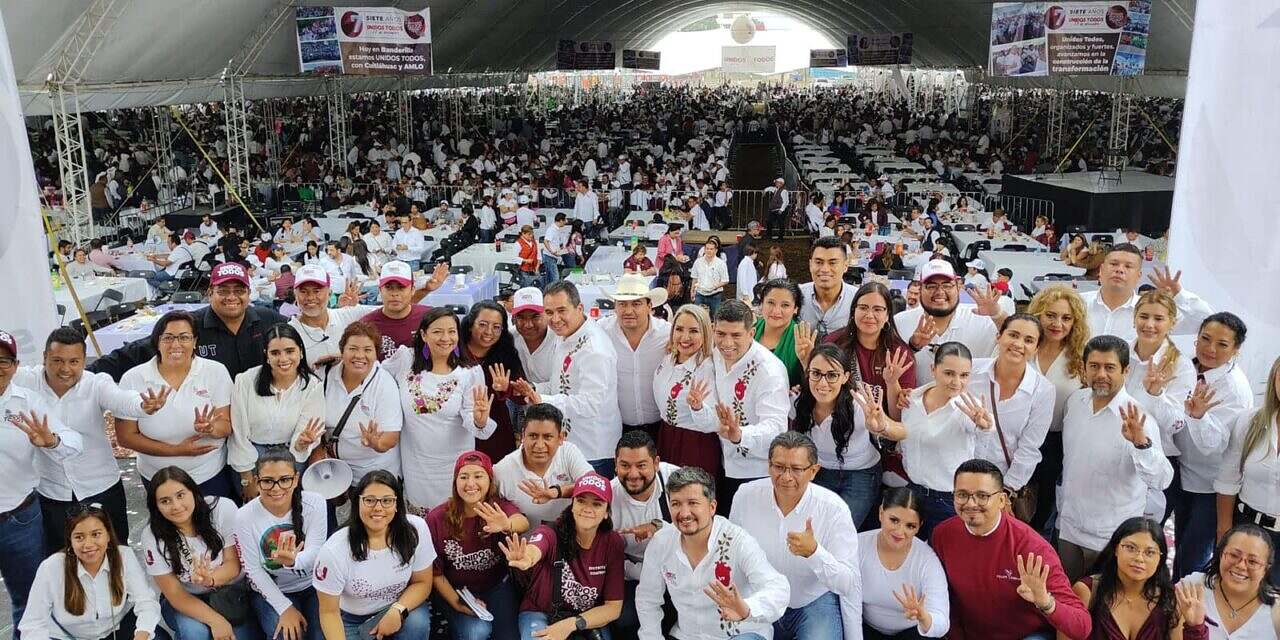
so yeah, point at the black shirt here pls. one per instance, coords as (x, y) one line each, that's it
(238, 352)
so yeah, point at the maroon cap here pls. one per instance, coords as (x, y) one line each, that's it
(9, 343)
(593, 484)
(229, 272)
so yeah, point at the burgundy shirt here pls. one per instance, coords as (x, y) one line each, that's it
(594, 578)
(472, 559)
(396, 333)
(872, 372)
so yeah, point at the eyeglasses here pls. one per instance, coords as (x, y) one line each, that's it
(981, 497)
(1235, 557)
(1133, 550)
(7, 363)
(284, 482)
(386, 502)
(831, 377)
(184, 338)
(782, 469)
(934, 287)
(874, 310)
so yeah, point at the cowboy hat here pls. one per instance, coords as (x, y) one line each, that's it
(634, 286)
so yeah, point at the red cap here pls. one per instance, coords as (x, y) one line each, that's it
(229, 272)
(9, 343)
(1002, 287)
(478, 458)
(592, 483)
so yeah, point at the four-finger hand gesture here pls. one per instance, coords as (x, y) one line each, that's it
(926, 330)
(1033, 574)
(438, 276)
(912, 603)
(732, 607)
(371, 436)
(538, 490)
(287, 550)
(37, 429)
(310, 435)
(1201, 401)
(495, 519)
(986, 301)
(517, 552)
(1190, 603)
(805, 338)
(1163, 280)
(1132, 420)
(481, 402)
(501, 378)
(153, 400)
(730, 425)
(1157, 377)
(525, 388)
(873, 415)
(698, 393)
(898, 362)
(976, 409)
(350, 295)
(202, 571)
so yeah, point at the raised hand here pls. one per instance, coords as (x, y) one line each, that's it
(203, 422)
(802, 543)
(1190, 599)
(926, 330)
(1157, 377)
(495, 519)
(1163, 280)
(538, 490)
(912, 603)
(524, 388)
(310, 435)
(37, 429)
(898, 362)
(1201, 401)
(730, 426)
(1033, 576)
(438, 276)
(501, 378)
(873, 415)
(286, 552)
(805, 339)
(153, 400)
(1131, 423)
(371, 436)
(350, 295)
(975, 408)
(986, 301)
(482, 402)
(517, 552)
(202, 571)
(732, 607)
(698, 393)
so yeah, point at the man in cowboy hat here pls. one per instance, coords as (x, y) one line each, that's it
(640, 341)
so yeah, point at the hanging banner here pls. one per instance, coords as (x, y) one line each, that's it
(636, 59)
(748, 59)
(1096, 37)
(880, 48)
(828, 58)
(364, 40)
(28, 310)
(593, 55)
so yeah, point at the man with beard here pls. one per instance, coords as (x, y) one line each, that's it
(734, 593)
(940, 318)
(1108, 461)
(639, 509)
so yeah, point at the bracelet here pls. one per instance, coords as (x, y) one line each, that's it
(1049, 608)
(559, 491)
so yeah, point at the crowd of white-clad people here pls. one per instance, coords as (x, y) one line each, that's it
(807, 459)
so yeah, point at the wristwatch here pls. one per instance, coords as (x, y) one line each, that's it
(657, 523)
(579, 623)
(401, 609)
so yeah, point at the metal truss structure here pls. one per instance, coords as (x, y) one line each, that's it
(404, 116)
(162, 141)
(235, 112)
(337, 103)
(1054, 133)
(1118, 139)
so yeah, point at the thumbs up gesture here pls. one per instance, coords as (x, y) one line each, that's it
(802, 543)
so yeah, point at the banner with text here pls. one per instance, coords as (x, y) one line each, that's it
(637, 59)
(828, 58)
(593, 55)
(364, 40)
(748, 59)
(1095, 37)
(880, 48)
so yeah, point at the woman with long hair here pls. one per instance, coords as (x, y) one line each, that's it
(191, 429)
(373, 576)
(775, 268)
(686, 370)
(190, 551)
(273, 403)
(778, 328)
(1246, 485)
(488, 342)
(1076, 252)
(1060, 358)
(445, 402)
(1130, 594)
(466, 530)
(312, 255)
(581, 538)
(904, 587)
(883, 360)
(675, 279)
(278, 536)
(1242, 594)
(825, 410)
(92, 588)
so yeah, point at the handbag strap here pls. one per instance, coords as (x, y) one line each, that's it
(351, 406)
(662, 497)
(995, 413)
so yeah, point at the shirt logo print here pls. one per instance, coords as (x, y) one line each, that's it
(481, 560)
(577, 595)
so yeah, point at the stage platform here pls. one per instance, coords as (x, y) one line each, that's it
(1139, 199)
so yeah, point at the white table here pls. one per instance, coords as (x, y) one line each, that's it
(609, 258)
(965, 238)
(483, 257)
(471, 289)
(1026, 266)
(882, 165)
(137, 326)
(90, 292)
(1081, 286)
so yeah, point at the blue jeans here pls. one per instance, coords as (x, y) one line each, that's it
(21, 551)
(1194, 520)
(711, 302)
(937, 506)
(187, 628)
(531, 621)
(603, 466)
(416, 625)
(818, 620)
(551, 267)
(158, 276)
(860, 489)
(304, 601)
(501, 602)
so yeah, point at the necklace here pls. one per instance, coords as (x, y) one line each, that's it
(1234, 609)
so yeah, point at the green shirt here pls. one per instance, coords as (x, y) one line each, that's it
(785, 350)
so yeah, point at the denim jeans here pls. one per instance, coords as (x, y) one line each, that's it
(501, 602)
(859, 488)
(304, 601)
(158, 276)
(21, 551)
(711, 302)
(531, 621)
(187, 628)
(937, 506)
(416, 624)
(551, 267)
(818, 620)
(1194, 519)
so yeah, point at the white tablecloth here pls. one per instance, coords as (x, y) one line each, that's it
(964, 238)
(1026, 266)
(137, 326)
(471, 291)
(483, 257)
(90, 292)
(609, 259)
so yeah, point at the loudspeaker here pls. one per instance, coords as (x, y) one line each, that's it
(329, 477)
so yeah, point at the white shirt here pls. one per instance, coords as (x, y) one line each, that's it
(258, 534)
(342, 270)
(1166, 408)
(1024, 420)
(921, 569)
(635, 370)
(756, 390)
(1203, 441)
(380, 244)
(379, 402)
(627, 512)
(937, 442)
(19, 469)
(80, 409)
(709, 276)
(413, 241)
(1260, 625)
(1104, 477)
(699, 221)
(270, 420)
(46, 601)
(154, 555)
(976, 332)
(582, 389)
(1119, 322)
(730, 550)
(526, 216)
(671, 384)
(814, 216)
(323, 343)
(1257, 480)
(586, 207)
(833, 568)
(747, 279)
(858, 451)
(367, 587)
(566, 466)
(1064, 384)
(539, 365)
(207, 385)
(835, 317)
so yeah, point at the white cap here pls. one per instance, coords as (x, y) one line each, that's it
(526, 299)
(523, 199)
(935, 269)
(978, 264)
(313, 273)
(396, 271)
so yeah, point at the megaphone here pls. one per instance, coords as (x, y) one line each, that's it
(329, 477)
